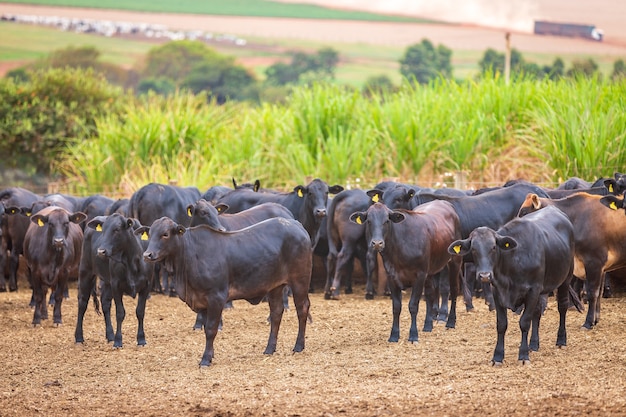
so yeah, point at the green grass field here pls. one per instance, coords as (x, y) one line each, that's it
(258, 8)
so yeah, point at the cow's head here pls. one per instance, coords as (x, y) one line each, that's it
(485, 246)
(315, 196)
(376, 221)
(397, 197)
(613, 202)
(256, 186)
(117, 234)
(163, 239)
(203, 212)
(57, 221)
(617, 184)
(531, 204)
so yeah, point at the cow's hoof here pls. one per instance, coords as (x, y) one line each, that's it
(3, 289)
(369, 296)
(561, 346)
(524, 362)
(57, 324)
(496, 363)
(35, 325)
(349, 291)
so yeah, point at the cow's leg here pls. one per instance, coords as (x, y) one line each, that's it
(488, 294)
(370, 268)
(106, 297)
(39, 299)
(331, 266)
(562, 297)
(532, 313)
(58, 301)
(303, 304)
(211, 325)
(606, 288)
(200, 319)
(14, 262)
(86, 284)
(396, 306)
(454, 270)
(4, 258)
(468, 280)
(275, 300)
(430, 293)
(141, 313)
(593, 285)
(345, 265)
(44, 306)
(534, 333)
(501, 325)
(416, 295)
(120, 314)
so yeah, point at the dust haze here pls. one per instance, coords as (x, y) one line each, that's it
(517, 15)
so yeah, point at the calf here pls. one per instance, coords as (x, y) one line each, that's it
(600, 236)
(212, 267)
(52, 248)
(413, 246)
(523, 260)
(114, 253)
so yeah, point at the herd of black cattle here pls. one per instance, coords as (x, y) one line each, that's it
(515, 243)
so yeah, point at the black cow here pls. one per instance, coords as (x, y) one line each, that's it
(92, 206)
(120, 206)
(214, 193)
(600, 236)
(306, 203)
(52, 248)
(12, 231)
(346, 241)
(617, 184)
(113, 252)
(413, 246)
(525, 259)
(213, 267)
(153, 201)
(202, 212)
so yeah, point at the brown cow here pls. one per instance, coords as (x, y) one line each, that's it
(52, 247)
(600, 237)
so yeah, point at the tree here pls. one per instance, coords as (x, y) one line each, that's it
(587, 68)
(424, 62)
(619, 70)
(377, 84)
(304, 68)
(493, 62)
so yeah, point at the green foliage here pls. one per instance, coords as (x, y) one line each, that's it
(193, 65)
(304, 68)
(40, 116)
(587, 67)
(619, 70)
(377, 85)
(538, 130)
(423, 62)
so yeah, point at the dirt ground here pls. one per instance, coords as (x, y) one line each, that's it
(347, 368)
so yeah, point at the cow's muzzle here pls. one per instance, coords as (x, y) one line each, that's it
(102, 253)
(377, 245)
(320, 213)
(485, 276)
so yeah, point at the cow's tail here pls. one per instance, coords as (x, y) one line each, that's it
(96, 303)
(575, 299)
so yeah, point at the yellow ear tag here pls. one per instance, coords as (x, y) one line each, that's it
(40, 223)
(457, 248)
(613, 206)
(144, 236)
(300, 193)
(189, 212)
(506, 245)
(99, 228)
(13, 211)
(358, 220)
(28, 214)
(610, 188)
(219, 210)
(375, 198)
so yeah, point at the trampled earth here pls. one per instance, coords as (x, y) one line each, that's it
(347, 368)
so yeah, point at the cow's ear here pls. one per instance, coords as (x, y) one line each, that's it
(95, 224)
(221, 208)
(130, 223)
(335, 189)
(180, 229)
(612, 202)
(375, 195)
(143, 232)
(234, 183)
(190, 210)
(460, 247)
(410, 194)
(610, 185)
(506, 242)
(39, 220)
(299, 190)
(257, 186)
(11, 211)
(535, 201)
(78, 217)
(396, 217)
(359, 217)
